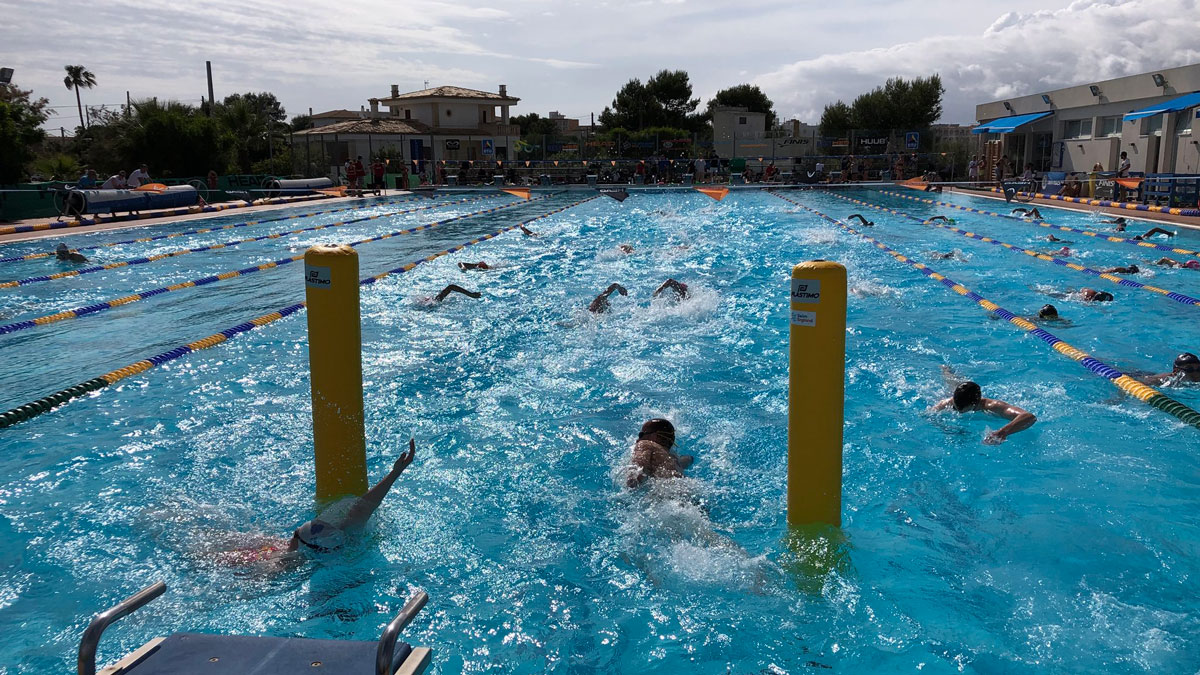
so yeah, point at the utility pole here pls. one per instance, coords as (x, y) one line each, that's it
(211, 101)
(128, 104)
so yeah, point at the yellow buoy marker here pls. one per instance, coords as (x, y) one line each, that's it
(335, 360)
(816, 390)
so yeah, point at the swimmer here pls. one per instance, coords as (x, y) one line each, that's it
(1093, 295)
(328, 531)
(1119, 221)
(681, 290)
(528, 232)
(653, 456)
(864, 221)
(1029, 213)
(1185, 369)
(481, 265)
(1048, 312)
(1127, 269)
(1063, 252)
(949, 255)
(454, 288)
(625, 248)
(600, 304)
(944, 219)
(1051, 237)
(1168, 262)
(65, 254)
(1153, 231)
(968, 397)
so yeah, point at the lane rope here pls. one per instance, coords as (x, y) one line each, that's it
(1042, 223)
(211, 208)
(144, 260)
(48, 403)
(1120, 281)
(1125, 383)
(105, 305)
(1108, 203)
(173, 235)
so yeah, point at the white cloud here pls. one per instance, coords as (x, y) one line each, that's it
(1020, 53)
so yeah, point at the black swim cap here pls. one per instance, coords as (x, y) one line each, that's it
(1187, 359)
(1048, 312)
(966, 395)
(1103, 296)
(658, 427)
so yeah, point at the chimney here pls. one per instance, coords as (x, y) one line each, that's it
(395, 90)
(504, 90)
(374, 107)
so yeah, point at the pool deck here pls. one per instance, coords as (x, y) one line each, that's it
(1189, 222)
(166, 218)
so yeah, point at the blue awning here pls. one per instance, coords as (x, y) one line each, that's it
(1182, 103)
(1007, 124)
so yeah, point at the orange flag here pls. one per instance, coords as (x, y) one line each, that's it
(517, 192)
(499, 162)
(614, 162)
(556, 162)
(1131, 183)
(717, 193)
(526, 162)
(151, 187)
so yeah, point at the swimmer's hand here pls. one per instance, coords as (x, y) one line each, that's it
(993, 438)
(406, 458)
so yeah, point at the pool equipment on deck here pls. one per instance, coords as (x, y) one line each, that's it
(207, 654)
(816, 393)
(111, 201)
(295, 186)
(335, 360)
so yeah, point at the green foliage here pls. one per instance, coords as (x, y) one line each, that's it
(300, 123)
(252, 123)
(20, 130)
(534, 125)
(747, 96)
(664, 100)
(58, 167)
(898, 105)
(77, 77)
(175, 139)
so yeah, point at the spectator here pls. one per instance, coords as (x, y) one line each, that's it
(360, 172)
(139, 177)
(973, 169)
(701, 169)
(88, 181)
(115, 182)
(377, 170)
(1122, 172)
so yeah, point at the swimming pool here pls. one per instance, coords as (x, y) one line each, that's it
(1074, 546)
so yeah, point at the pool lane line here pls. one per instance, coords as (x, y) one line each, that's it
(48, 403)
(173, 235)
(105, 305)
(144, 260)
(1120, 281)
(1108, 203)
(1142, 392)
(211, 208)
(1042, 223)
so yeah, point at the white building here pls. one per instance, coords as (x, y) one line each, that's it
(737, 132)
(431, 125)
(1152, 116)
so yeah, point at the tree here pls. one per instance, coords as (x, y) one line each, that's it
(532, 124)
(78, 76)
(252, 122)
(21, 118)
(897, 106)
(300, 123)
(747, 96)
(632, 108)
(672, 90)
(836, 119)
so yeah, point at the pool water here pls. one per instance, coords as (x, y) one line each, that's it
(1072, 547)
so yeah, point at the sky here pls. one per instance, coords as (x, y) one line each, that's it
(573, 55)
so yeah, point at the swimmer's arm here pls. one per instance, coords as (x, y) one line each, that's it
(1155, 380)
(616, 287)
(943, 404)
(456, 289)
(360, 513)
(1020, 419)
(672, 284)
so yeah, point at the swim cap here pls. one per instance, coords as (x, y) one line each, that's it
(320, 536)
(1192, 264)
(658, 427)
(62, 247)
(1187, 359)
(966, 395)
(1102, 296)
(1048, 312)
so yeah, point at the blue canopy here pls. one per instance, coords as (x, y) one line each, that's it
(1182, 103)
(1007, 124)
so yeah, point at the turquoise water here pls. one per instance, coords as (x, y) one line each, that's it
(1073, 547)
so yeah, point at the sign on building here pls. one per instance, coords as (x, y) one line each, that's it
(452, 144)
(912, 139)
(489, 147)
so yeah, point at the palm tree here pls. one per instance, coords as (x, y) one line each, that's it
(78, 76)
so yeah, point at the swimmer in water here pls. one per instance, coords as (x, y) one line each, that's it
(1186, 369)
(944, 219)
(1127, 269)
(1028, 213)
(1063, 252)
(454, 288)
(1083, 295)
(528, 232)
(1048, 312)
(864, 221)
(481, 265)
(653, 456)
(949, 255)
(1168, 262)
(968, 397)
(1051, 237)
(600, 304)
(681, 290)
(625, 248)
(1153, 231)
(328, 531)
(65, 254)
(1119, 221)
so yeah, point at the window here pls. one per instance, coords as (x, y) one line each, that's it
(407, 114)
(741, 120)
(1183, 123)
(483, 116)
(1077, 129)
(1153, 126)
(1109, 127)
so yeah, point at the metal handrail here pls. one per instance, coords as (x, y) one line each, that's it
(387, 642)
(86, 664)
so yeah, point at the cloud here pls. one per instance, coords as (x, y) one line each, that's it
(1020, 53)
